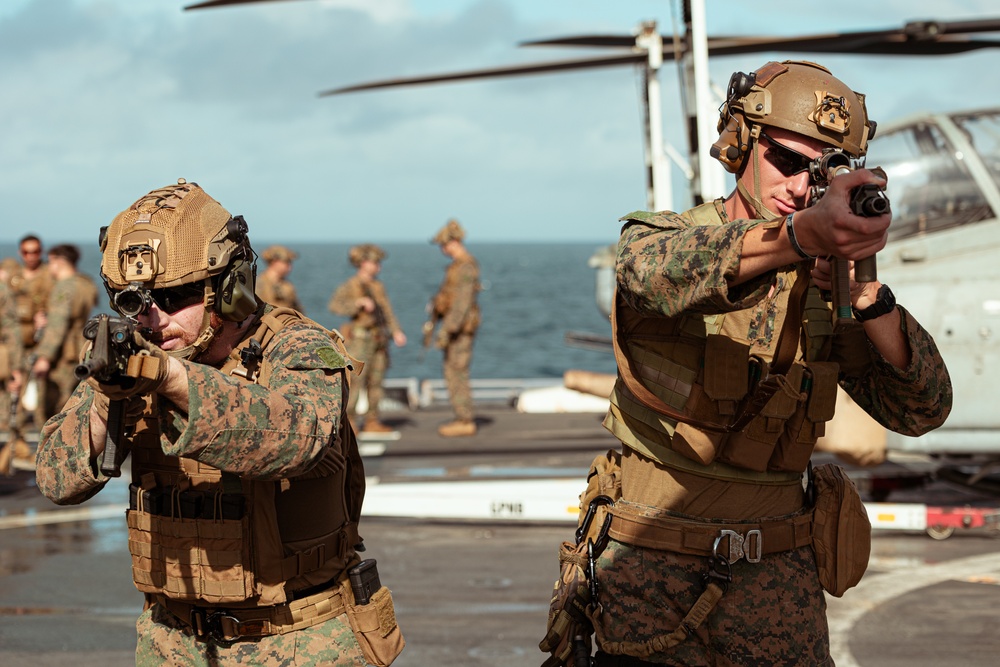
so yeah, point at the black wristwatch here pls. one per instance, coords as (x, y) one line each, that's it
(885, 302)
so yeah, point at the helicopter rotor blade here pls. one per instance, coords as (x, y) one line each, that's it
(914, 38)
(225, 3)
(492, 73)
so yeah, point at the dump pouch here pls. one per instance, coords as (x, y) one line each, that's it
(374, 625)
(842, 532)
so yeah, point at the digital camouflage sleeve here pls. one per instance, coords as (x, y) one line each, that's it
(246, 429)
(668, 265)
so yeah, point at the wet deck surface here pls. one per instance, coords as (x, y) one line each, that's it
(474, 593)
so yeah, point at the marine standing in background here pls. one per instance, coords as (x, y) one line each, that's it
(11, 374)
(30, 284)
(57, 354)
(729, 361)
(455, 308)
(246, 479)
(273, 286)
(362, 298)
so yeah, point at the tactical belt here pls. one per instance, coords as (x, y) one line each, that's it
(749, 540)
(227, 625)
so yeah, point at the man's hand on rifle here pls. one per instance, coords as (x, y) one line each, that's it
(830, 228)
(862, 294)
(148, 370)
(134, 407)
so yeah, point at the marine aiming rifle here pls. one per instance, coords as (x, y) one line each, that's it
(107, 362)
(868, 200)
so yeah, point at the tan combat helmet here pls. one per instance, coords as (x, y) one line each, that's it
(365, 252)
(279, 253)
(452, 231)
(175, 246)
(795, 95)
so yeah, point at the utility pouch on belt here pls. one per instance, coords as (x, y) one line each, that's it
(569, 629)
(374, 623)
(842, 533)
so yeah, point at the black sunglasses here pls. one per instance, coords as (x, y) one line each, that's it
(787, 161)
(134, 301)
(172, 299)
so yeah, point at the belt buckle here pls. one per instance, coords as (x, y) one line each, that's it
(209, 624)
(749, 546)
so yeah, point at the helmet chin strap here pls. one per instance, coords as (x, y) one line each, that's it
(207, 332)
(762, 211)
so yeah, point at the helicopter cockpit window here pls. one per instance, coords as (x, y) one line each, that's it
(930, 186)
(983, 131)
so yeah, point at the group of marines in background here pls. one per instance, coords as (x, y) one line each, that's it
(43, 307)
(453, 318)
(45, 304)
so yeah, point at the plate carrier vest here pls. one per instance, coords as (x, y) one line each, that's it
(200, 535)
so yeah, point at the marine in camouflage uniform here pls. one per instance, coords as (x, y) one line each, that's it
(246, 479)
(455, 308)
(57, 354)
(273, 286)
(714, 305)
(362, 298)
(30, 284)
(11, 349)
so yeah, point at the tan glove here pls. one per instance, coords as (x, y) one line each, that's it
(134, 407)
(148, 368)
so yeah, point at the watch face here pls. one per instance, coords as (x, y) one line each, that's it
(885, 301)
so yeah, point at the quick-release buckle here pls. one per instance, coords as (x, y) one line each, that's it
(224, 628)
(749, 546)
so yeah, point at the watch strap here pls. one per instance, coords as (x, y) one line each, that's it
(885, 302)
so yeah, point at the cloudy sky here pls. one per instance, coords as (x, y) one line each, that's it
(103, 100)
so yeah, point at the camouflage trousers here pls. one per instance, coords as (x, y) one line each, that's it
(372, 349)
(164, 640)
(457, 360)
(774, 612)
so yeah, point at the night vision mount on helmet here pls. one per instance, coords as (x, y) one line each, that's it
(175, 237)
(795, 95)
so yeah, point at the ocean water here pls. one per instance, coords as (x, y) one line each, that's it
(533, 294)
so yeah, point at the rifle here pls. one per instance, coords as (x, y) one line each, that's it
(107, 362)
(433, 317)
(868, 200)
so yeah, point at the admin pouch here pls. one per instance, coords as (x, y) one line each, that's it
(568, 633)
(374, 625)
(842, 532)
